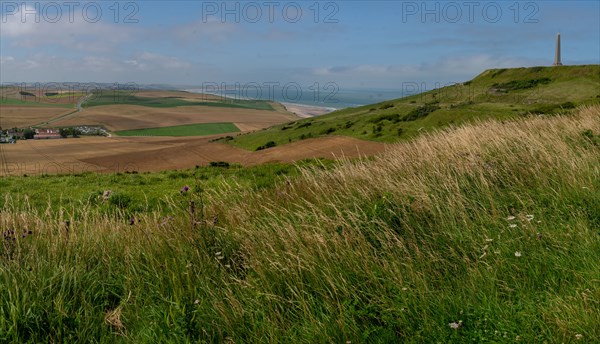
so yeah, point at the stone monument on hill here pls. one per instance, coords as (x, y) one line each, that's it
(557, 61)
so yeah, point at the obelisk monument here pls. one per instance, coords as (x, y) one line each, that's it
(557, 61)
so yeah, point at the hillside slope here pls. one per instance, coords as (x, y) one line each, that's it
(483, 233)
(496, 93)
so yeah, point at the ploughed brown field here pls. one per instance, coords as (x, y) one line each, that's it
(193, 97)
(120, 154)
(126, 117)
(23, 116)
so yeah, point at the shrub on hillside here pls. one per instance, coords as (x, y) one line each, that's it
(267, 145)
(304, 125)
(391, 117)
(223, 164)
(420, 112)
(520, 84)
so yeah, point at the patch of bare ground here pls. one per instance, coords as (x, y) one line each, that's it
(24, 116)
(142, 154)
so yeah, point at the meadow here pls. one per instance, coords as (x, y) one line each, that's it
(485, 232)
(200, 129)
(136, 192)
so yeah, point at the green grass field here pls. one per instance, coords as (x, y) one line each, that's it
(200, 129)
(500, 93)
(111, 98)
(13, 101)
(486, 233)
(143, 192)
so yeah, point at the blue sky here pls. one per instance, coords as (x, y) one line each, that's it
(356, 44)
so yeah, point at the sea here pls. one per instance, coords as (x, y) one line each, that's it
(326, 97)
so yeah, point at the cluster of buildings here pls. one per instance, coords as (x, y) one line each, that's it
(12, 135)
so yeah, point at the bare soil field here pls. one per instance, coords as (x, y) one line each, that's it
(24, 116)
(195, 97)
(119, 154)
(127, 117)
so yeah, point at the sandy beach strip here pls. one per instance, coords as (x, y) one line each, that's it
(306, 111)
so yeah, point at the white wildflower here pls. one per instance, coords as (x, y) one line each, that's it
(512, 225)
(510, 218)
(529, 217)
(518, 254)
(579, 336)
(454, 325)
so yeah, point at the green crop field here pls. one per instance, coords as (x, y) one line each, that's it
(498, 93)
(112, 98)
(200, 129)
(13, 101)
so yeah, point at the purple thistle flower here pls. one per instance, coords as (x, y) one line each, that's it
(185, 189)
(131, 221)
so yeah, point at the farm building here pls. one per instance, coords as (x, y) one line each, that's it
(45, 134)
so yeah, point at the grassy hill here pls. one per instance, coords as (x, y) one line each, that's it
(496, 93)
(482, 233)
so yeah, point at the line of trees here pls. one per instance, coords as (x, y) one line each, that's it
(66, 132)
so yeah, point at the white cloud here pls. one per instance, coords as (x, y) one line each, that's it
(211, 29)
(25, 29)
(152, 61)
(443, 70)
(6, 59)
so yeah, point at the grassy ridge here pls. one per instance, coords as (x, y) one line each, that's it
(167, 102)
(496, 93)
(200, 129)
(482, 233)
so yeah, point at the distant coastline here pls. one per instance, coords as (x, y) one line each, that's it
(307, 106)
(299, 109)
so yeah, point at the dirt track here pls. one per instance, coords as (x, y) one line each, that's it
(118, 154)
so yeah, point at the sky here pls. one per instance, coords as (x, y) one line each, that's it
(354, 44)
